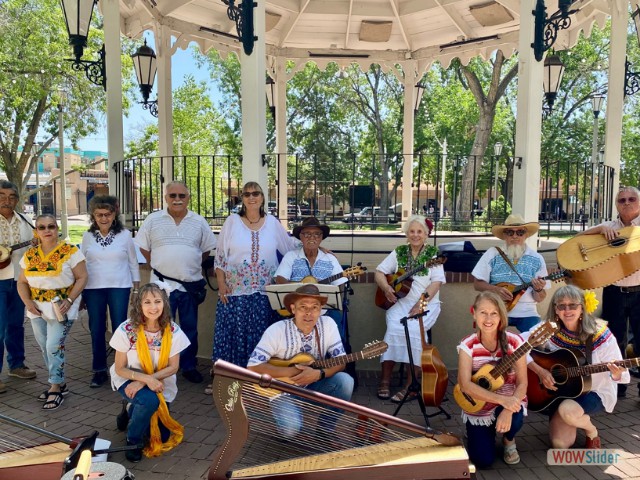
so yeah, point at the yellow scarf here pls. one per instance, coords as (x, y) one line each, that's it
(156, 447)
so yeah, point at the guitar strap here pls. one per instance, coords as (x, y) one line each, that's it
(506, 259)
(588, 349)
(25, 219)
(320, 350)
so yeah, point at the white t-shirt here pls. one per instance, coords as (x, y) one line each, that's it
(124, 341)
(112, 265)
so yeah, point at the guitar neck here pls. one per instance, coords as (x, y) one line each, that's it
(332, 278)
(508, 361)
(408, 274)
(336, 361)
(602, 367)
(20, 245)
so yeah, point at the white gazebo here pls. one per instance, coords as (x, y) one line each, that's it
(409, 33)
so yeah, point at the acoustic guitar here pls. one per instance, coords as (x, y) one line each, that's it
(370, 350)
(435, 376)
(491, 376)
(401, 282)
(519, 290)
(570, 372)
(350, 273)
(594, 261)
(5, 252)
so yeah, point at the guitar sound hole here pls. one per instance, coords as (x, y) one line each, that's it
(559, 374)
(618, 242)
(484, 383)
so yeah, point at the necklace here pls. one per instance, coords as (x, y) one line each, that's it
(252, 223)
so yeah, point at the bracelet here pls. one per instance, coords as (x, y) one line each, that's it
(69, 300)
(538, 291)
(133, 375)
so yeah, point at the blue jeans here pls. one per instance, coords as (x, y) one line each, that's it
(288, 414)
(143, 406)
(11, 324)
(183, 304)
(481, 439)
(97, 301)
(51, 335)
(523, 324)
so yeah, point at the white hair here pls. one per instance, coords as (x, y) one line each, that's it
(419, 219)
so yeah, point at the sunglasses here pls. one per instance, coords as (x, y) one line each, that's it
(567, 306)
(251, 194)
(178, 195)
(47, 227)
(511, 233)
(628, 200)
(103, 215)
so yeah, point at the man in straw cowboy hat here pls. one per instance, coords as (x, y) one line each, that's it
(306, 332)
(311, 260)
(523, 265)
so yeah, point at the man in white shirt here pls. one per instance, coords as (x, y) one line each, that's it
(621, 301)
(14, 229)
(175, 242)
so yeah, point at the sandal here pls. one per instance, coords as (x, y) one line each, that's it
(208, 389)
(511, 456)
(383, 391)
(55, 403)
(63, 390)
(397, 398)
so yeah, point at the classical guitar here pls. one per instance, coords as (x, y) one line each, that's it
(571, 374)
(435, 376)
(594, 261)
(401, 282)
(491, 376)
(370, 350)
(519, 290)
(350, 273)
(5, 252)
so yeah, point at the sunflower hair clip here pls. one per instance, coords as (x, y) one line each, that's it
(590, 301)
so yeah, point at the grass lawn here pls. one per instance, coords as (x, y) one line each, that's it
(76, 232)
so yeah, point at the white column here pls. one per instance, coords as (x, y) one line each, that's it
(281, 137)
(254, 122)
(115, 139)
(526, 181)
(615, 95)
(407, 137)
(165, 104)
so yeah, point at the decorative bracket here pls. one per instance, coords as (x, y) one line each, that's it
(546, 29)
(242, 14)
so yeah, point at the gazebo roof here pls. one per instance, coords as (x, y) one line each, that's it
(362, 31)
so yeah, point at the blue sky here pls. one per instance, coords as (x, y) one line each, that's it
(182, 65)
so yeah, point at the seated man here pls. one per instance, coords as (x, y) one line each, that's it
(311, 260)
(306, 332)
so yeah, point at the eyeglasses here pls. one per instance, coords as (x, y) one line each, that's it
(47, 227)
(251, 194)
(103, 215)
(567, 306)
(511, 233)
(13, 198)
(311, 234)
(628, 200)
(178, 195)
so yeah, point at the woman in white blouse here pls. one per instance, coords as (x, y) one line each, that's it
(112, 265)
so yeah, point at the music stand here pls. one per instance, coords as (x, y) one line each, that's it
(414, 387)
(276, 294)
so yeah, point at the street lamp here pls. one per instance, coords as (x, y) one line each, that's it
(270, 90)
(497, 151)
(77, 16)
(553, 71)
(62, 98)
(420, 88)
(145, 65)
(545, 31)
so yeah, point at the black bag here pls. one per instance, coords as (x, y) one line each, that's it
(197, 289)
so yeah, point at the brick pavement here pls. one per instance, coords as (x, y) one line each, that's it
(86, 409)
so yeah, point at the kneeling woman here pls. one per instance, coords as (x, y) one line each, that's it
(579, 330)
(148, 347)
(505, 408)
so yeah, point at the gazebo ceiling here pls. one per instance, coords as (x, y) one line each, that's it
(362, 31)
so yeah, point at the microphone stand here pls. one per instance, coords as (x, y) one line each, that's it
(415, 387)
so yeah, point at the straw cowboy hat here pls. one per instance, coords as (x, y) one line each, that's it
(515, 222)
(308, 290)
(308, 223)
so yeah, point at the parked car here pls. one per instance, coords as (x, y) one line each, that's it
(272, 207)
(293, 212)
(366, 215)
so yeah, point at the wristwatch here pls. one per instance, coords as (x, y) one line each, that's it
(322, 374)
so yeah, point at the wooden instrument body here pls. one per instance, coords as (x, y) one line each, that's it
(5, 252)
(594, 262)
(519, 290)
(42, 462)
(435, 377)
(401, 282)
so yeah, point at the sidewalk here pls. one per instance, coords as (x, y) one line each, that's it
(86, 409)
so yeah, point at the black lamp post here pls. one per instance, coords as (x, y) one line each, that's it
(242, 14)
(144, 62)
(631, 78)
(420, 88)
(77, 16)
(270, 90)
(553, 71)
(546, 28)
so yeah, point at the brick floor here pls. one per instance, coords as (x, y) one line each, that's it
(87, 409)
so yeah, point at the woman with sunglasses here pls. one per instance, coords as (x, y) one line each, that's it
(55, 269)
(112, 265)
(514, 263)
(572, 309)
(246, 262)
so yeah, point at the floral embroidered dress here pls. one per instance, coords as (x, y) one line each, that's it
(249, 259)
(394, 336)
(51, 276)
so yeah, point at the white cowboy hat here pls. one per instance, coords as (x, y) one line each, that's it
(512, 221)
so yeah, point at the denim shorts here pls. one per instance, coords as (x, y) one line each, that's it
(590, 403)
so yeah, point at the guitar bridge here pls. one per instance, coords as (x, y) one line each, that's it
(583, 252)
